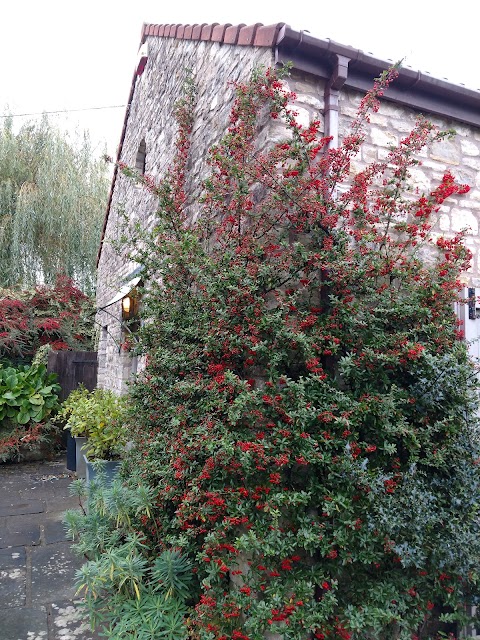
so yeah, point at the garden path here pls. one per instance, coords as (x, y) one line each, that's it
(37, 566)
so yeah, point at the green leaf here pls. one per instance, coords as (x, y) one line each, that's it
(10, 395)
(11, 381)
(23, 418)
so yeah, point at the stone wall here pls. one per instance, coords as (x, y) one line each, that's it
(213, 65)
(150, 118)
(460, 154)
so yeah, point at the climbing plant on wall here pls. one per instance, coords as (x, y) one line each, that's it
(306, 415)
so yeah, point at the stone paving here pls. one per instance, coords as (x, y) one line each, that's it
(37, 566)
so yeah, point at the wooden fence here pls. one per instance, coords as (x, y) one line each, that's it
(73, 368)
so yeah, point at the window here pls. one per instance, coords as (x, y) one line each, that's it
(141, 157)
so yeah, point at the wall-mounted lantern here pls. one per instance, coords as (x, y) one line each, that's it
(130, 305)
(129, 298)
(126, 304)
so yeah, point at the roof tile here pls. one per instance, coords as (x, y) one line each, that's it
(197, 31)
(232, 33)
(257, 34)
(207, 31)
(247, 34)
(266, 36)
(218, 32)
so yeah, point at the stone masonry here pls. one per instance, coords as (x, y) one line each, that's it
(213, 66)
(151, 118)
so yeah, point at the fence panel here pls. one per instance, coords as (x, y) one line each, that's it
(73, 368)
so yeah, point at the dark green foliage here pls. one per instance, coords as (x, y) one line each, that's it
(306, 423)
(28, 396)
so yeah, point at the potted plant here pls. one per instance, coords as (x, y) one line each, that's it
(106, 437)
(74, 420)
(95, 420)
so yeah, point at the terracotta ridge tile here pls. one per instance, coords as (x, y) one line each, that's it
(266, 36)
(188, 32)
(197, 32)
(247, 34)
(258, 34)
(218, 32)
(232, 33)
(207, 31)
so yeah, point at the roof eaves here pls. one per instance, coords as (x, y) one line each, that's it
(414, 89)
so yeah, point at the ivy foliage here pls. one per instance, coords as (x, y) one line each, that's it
(306, 421)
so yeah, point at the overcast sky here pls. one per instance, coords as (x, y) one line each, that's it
(75, 55)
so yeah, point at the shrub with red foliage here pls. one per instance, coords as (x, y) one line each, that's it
(59, 315)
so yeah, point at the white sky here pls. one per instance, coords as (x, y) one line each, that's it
(59, 54)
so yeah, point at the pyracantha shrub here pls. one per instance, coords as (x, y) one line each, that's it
(307, 413)
(59, 315)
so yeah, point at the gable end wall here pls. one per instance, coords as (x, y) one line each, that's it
(213, 65)
(151, 117)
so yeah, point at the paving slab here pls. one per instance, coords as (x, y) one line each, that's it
(24, 624)
(69, 622)
(13, 579)
(12, 558)
(53, 573)
(59, 504)
(20, 536)
(37, 565)
(54, 531)
(22, 508)
(16, 523)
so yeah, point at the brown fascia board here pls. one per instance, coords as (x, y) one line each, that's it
(413, 89)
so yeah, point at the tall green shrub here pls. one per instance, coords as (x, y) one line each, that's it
(307, 415)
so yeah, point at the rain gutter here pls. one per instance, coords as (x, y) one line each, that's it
(414, 89)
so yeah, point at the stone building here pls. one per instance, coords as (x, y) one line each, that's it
(329, 79)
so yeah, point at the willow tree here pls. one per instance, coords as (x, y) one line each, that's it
(52, 198)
